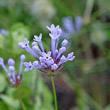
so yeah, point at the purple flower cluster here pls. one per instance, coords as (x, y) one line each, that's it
(47, 61)
(3, 32)
(71, 27)
(14, 79)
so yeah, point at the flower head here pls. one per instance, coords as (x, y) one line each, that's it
(24, 44)
(38, 39)
(52, 60)
(14, 79)
(55, 31)
(29, 66)
(3, 32)
(71, 27)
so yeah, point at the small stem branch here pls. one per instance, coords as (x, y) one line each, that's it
(54, 92)
(20, 99)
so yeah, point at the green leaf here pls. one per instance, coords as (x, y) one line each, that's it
(3, 83)
(43, 97)
(18, 32)
(10, 101)
(3, 106)
(107, 107)
(98, 35)
(1, 41)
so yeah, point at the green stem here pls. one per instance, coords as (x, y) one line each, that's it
(21, 101)
(54, 92)
(88, 10)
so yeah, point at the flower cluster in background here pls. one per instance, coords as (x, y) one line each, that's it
(41, 8)
(3, 32)
(47, 61)
(14, 79)
(70, 27)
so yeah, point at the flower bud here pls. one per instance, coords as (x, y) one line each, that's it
(11, 62)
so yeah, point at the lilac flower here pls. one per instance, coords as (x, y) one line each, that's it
(29, 66)
(78, 23)
(14, 79)
(47, 61)
(55, 34)
(38, 39)
(25, 45)
(3, 32)
(71, 27)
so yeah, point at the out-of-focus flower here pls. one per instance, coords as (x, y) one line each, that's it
(70, 27)
(14, 79)
(3, 32)
(7, 3)
(41, 8)
(98, 35)
(47, 61)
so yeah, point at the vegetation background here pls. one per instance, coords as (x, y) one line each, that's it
(83, 84)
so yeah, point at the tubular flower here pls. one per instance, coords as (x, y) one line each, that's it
(14, 79)
(47, 61)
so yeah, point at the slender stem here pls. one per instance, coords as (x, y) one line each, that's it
(21, 101)
(54, 92)
(88, 10)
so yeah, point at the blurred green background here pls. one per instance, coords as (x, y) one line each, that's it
(83, 84)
